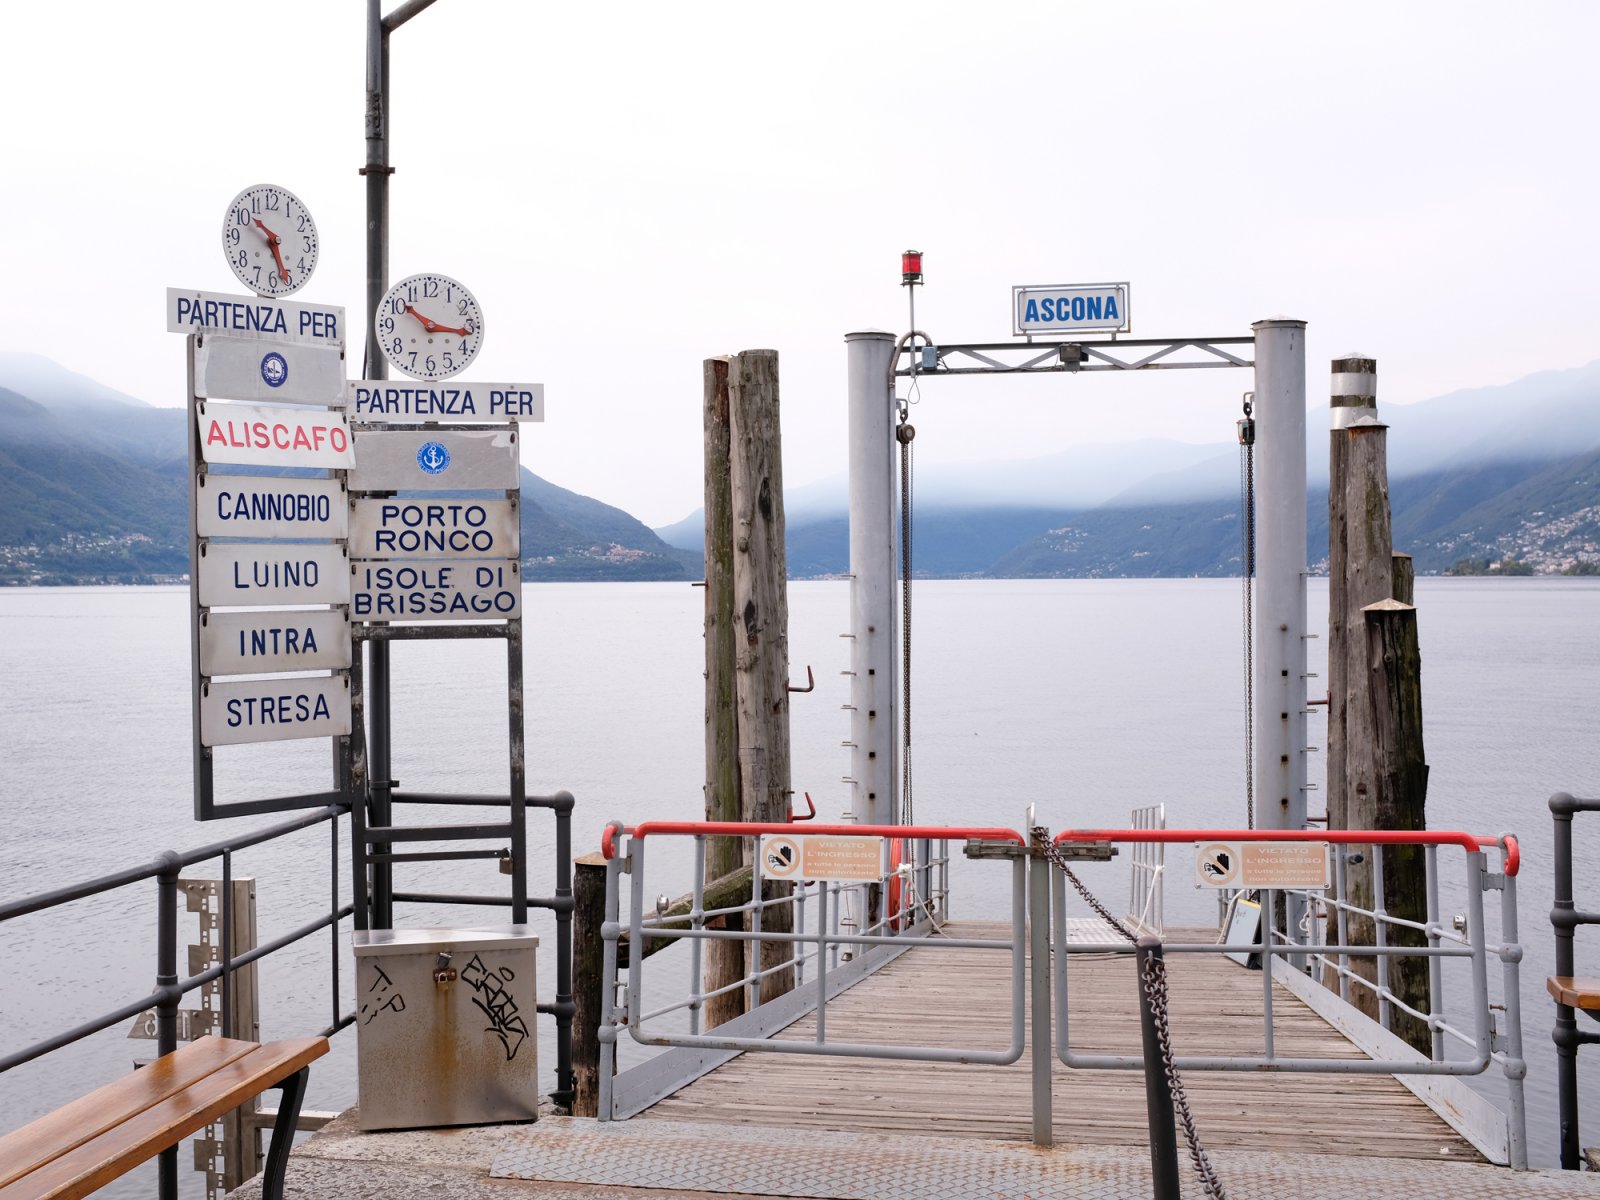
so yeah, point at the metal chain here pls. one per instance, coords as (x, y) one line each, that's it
(904, 433)
(1154, 983)
(1247, 565)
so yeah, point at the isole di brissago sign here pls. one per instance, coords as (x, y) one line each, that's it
(1070, 308)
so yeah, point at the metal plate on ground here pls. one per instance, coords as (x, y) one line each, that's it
(669, 1155)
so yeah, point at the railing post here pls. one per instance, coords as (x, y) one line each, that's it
(1039, 953)
(607, 1034)
(566, 1082)
(1514, 1066)
(1157, 1086)
(167, 989)
(1566, 1030)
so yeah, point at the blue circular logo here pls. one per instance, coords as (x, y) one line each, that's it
(274, 370)
(433, 458)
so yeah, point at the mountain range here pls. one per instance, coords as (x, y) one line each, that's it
(93, 488)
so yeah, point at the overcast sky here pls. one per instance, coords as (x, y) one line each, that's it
(630, 188)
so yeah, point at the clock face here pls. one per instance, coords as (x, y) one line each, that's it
(270, 240)
(429, 326)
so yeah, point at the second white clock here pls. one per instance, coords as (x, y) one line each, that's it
(429, 326)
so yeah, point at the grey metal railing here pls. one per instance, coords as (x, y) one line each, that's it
(828, 958)
(1565, 917)
(1297, 959)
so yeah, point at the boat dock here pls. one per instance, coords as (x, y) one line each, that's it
(781, 1125)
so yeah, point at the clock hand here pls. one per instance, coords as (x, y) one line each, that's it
(272, 244)
(433, 326)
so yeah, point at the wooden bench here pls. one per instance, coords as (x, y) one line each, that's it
(83, 1146)
(1574, 991)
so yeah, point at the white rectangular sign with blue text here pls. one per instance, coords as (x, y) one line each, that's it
(1070, 308)
(236, 368)
(443, 400)
(274, 710)
(192, 311)
(244, 575)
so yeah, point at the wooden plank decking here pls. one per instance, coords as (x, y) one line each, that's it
(960, 997)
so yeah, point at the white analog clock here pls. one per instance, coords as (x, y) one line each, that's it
(270, 240)
(429, 326)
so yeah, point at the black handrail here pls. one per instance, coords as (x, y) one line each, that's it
(1565, 917)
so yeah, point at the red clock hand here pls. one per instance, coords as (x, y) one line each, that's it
(272, 244)
(433, 326)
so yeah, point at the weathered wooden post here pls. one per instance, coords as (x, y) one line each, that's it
(1400, 774)
(724, 961)
(588, 991)
(761, 621)
(1369, 774)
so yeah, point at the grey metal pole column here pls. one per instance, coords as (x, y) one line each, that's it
(377, 173)
(873, 754)
(1280, 650)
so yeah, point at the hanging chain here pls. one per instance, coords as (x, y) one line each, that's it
(1153, 981)
(904, 433)
(1247, 570)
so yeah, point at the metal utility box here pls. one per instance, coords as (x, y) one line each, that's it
(445, 1026)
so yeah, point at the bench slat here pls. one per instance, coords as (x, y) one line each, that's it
(141, 1130)
(1575, 991)
(54, 1134)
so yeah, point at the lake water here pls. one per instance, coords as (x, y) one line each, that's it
(1084, 698)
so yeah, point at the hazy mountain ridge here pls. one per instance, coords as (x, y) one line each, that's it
(1510, 471)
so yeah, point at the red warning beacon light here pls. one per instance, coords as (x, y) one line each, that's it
(910, 268)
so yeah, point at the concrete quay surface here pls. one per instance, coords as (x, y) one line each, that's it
(569, 1157)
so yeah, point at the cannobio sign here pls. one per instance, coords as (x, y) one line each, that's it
(260, 506)
(1070, 308)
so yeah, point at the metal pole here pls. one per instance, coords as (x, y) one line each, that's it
(167, 990)
(1039, 951)
(1157, 1089)
(566, 1081)
(1566, 1030)
(1280, 651)
(377, 172)
(1514, 1066)
(873, 753)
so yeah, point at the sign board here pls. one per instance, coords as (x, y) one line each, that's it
(1072, 308)
(250, 435)
(399, 460)
(267, 640)
(236, 368)
(274, 710)
(254, 506)
(1256, 865)
(394, 528)
(267, 573)
(469, 589)
(192, 311)
(450, 400)
(793, 856)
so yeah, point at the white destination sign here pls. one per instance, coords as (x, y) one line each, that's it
(433, 528)
(445, 590)
(1075, 308)
(450, 400)
(235, 368)
(274, 437)
(274, 710)
(236, 576)
(266, 640)
(1261, 864)
(396, 460)
(191, 311)
(255, 506)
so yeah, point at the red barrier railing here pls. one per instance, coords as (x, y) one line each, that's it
(1338, 837)
(608, 845)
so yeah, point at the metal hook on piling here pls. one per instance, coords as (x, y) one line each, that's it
(809, 804)
(811, 682)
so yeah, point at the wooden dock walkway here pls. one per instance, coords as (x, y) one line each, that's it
(959, 998)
